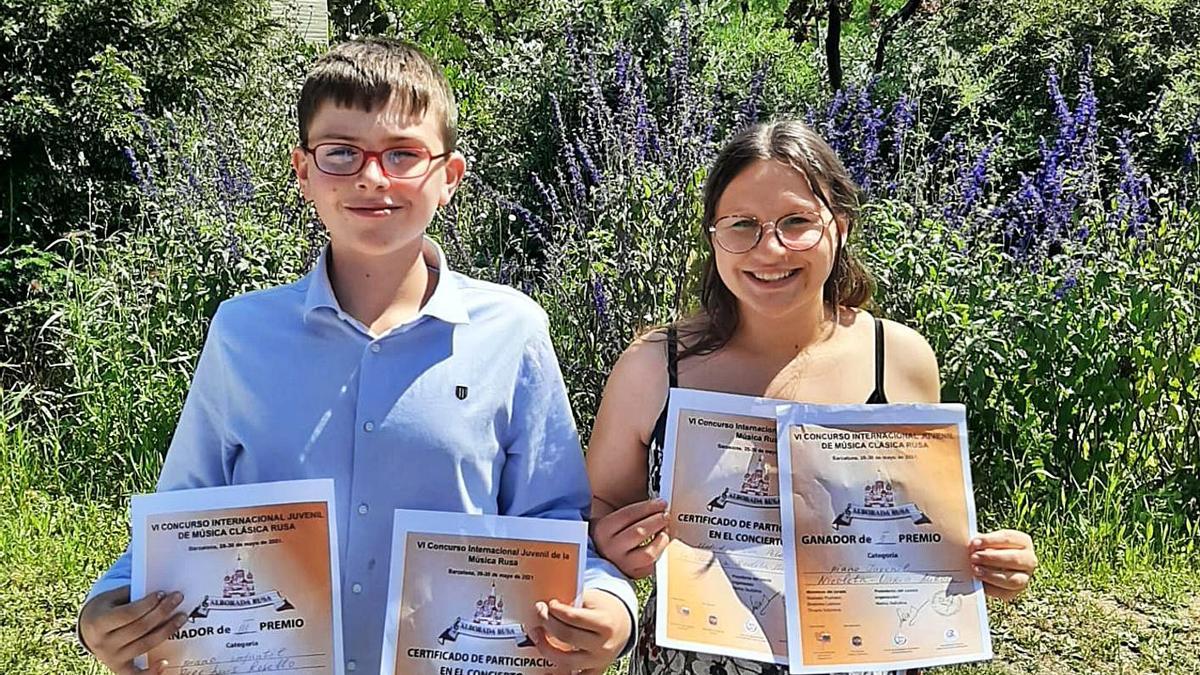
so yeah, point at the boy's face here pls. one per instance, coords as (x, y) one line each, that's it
(371, 213)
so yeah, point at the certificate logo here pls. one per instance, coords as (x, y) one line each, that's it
(754, 491)
(944, 604)
(487, 623)
(879, 503)
(238, 594)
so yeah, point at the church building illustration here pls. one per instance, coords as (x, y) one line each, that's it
(879, 494)
(489, 609)
(754, 491)
(239, 583)
(754, 482)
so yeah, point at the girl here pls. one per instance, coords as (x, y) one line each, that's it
(782, 318)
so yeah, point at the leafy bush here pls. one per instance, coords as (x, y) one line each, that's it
(75, 75)
(985, 61)
(120, 318)
(1080, 378)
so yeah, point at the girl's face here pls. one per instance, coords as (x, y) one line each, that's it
(770, 279)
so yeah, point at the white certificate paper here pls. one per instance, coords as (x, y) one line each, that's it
(462, 590)
(258, 568)
(878, 508)
(720, 581)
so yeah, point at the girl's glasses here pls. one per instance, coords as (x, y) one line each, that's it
(795, 231)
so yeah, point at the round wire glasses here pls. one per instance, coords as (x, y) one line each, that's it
(796, 231)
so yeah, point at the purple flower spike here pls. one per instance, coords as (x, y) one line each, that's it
(600, 303)
(593, 173)
(1133, 195)
(140, 174)
(1190, 145)
(748, 112)
(548, 197)
(1065, 287)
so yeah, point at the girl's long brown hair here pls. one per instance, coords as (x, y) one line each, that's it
(796, 145)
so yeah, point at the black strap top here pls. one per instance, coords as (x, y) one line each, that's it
(878, 396)
(660, 426)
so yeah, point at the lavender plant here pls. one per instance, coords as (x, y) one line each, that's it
(604, 238)
(216, 215)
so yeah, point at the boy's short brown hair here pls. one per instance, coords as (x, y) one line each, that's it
(369, 72)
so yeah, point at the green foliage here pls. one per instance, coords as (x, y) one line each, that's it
(980, 61)
(72, 78)
(120, 319)
(737, 44)
(1082, 400)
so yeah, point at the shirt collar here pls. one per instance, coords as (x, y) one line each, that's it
(446, 303)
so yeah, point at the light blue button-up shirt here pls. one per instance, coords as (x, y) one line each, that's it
(462, 408)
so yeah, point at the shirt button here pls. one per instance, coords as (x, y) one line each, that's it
(356, 589)
(369, 427)
(375, 347)
(351, 665)
(362, 509)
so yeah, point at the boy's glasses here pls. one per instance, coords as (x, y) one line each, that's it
(795, 231)
(343, 159)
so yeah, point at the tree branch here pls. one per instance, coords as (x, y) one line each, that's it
(889, 28)
(833, 44)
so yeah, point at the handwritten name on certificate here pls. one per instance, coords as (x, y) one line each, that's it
(462, 590)
(877, 513)
(720, 580)
(257, 566)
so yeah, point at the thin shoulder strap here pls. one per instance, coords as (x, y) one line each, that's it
(878, 359)
(673, 356)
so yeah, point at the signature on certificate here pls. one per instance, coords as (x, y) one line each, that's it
(760, 606)
(908, 614)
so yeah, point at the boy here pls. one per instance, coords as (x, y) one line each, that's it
(410, 385)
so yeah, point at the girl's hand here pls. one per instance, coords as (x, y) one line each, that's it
(1004, 561)
(586, 639)
(632, 537)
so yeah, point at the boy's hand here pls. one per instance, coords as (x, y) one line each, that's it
(117, 631)
(586, 639)
(633, 536)
(1004, 561)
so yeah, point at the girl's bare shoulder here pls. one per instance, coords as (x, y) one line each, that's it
(911, 364)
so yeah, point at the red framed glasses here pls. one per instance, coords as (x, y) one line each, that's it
(344, 159)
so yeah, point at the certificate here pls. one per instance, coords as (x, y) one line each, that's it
(877, 512)
(720, 580)
(462, 590)
(258, 569)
